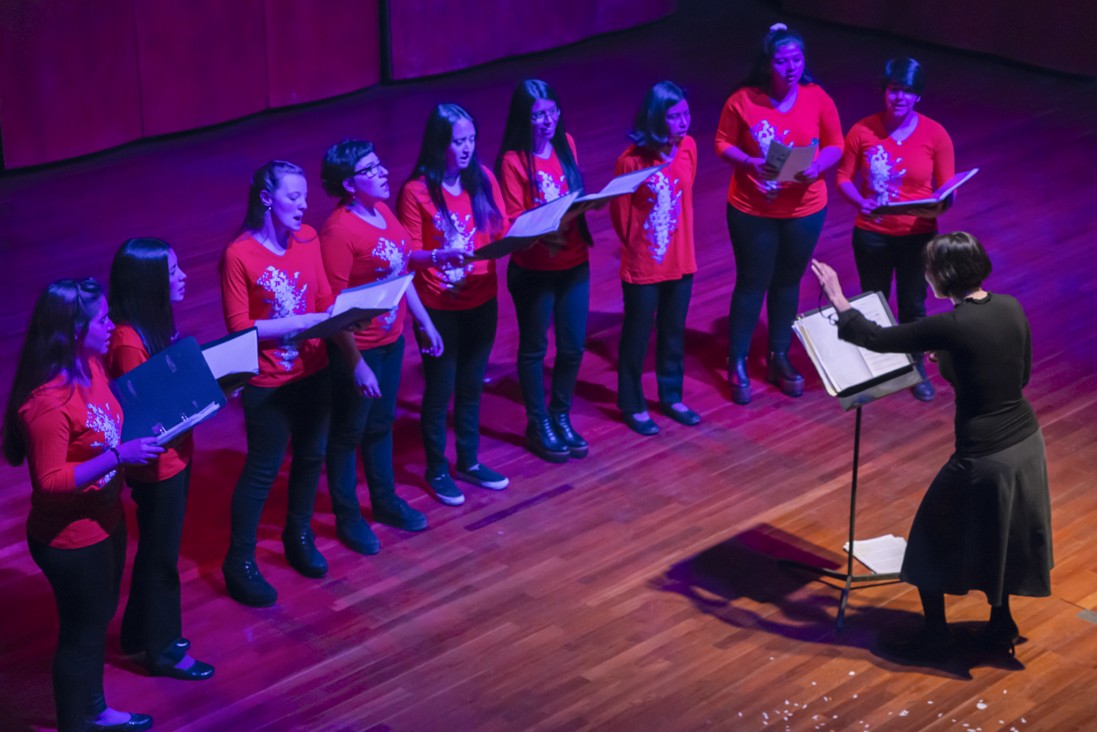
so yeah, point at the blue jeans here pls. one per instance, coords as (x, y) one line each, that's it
(665, 303)
(468, 336)
(771, 257)
(274, 416)
(86, 584)
(153, 619)
(363, 424)
(560, 297)
(879, 255)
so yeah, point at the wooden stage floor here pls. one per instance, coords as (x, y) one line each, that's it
(636, 589)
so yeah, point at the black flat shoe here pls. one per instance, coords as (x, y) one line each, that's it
(561, 424)
(645, 427)
(686, 416)
(780, 372)
(923, 391)
(739, 382)
(395, 511)
(181, 643)
(197, 671)
(136, 723)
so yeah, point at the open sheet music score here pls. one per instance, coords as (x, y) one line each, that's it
(531, 225)
(847, 369)
(623, 185)
(944, 191)
(234, 359)
(790, 160)
(356, 304)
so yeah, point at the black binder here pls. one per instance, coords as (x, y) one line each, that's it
(168, 394)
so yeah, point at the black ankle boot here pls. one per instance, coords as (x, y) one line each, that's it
(246, 584)
(738, 381)
(561, 425)
(923, 391)
(543, 441)
(781, 372)
(302, 554)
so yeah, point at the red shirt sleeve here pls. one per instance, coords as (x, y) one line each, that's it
(234, 291)
(337, 250)
(851, 154)
(830, 127)
(410, 213)
(48, 430)
(729, 128)
(515, 185)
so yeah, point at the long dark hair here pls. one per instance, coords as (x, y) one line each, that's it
(339, 164)
(649, 128)
(140, 292)
(431, 165)
(761, 74)
(518, 135)
(52, 347)
(266, 179)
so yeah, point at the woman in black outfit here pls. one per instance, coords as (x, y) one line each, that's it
(985, 522)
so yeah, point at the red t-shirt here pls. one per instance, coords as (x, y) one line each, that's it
(463, 288)
(65, 425)
(655, 223)
(127, 351)
(551, 184)
(257, 284)
(356, 253)
(893, 171)
(750, 122)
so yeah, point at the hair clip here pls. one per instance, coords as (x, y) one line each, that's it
(778, 27)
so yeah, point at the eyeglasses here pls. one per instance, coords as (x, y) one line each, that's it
(371, 170)
(553, 114)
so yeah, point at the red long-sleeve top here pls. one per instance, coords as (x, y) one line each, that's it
(355, 253)
(65, 425)
(257, 284)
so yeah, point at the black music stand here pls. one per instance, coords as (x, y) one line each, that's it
(831, 358)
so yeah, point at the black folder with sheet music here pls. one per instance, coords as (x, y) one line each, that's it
(168, 394)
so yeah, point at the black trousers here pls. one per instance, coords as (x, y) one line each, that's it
(666, 304)
(153, 619)
(86, 583)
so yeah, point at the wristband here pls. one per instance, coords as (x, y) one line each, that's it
(434, 257)
(117, 455)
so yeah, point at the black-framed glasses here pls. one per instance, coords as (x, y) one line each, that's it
(824, 302)
(371, 170)
(552, 113)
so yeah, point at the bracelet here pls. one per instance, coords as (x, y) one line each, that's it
(117, 455)
(434, 257)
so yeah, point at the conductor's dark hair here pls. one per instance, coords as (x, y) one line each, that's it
(431, 166)
(518, 135)
(140, 292)
(649, 128)
(51, 348)
(266, 179)
(906, 73)
(761, 74)
(339, 164)
(957, 263)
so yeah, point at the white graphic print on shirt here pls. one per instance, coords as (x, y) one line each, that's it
(285, 298)
(458, 235)
(764, 133)
(393, 260)
(662, 221)
(883, 178)
(549, 188)
(101, 419)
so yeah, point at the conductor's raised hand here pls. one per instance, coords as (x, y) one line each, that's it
(828, 280)
(139, 451)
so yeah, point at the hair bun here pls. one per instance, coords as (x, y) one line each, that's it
(778, 27)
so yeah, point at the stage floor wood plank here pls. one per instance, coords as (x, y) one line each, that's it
(636, 589)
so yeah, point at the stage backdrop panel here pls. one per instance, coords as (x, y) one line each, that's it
(1047, 34)
(201, 61)
(68, 78)
(436, 36)
(321, 49)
